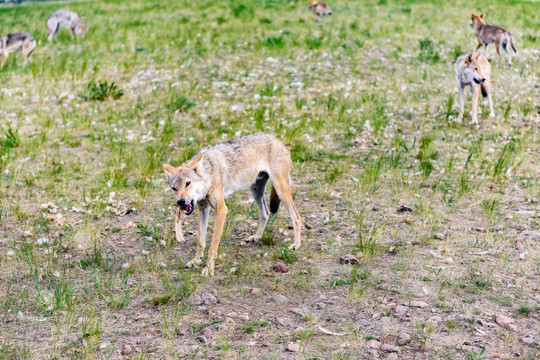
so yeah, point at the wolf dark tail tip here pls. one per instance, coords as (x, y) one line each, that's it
(483, 89)
(274, 201)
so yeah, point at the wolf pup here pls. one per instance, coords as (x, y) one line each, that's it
(320, 9)
(67, 19)
(473, 70)
(215, 173)
(487, 34)
(19, 41)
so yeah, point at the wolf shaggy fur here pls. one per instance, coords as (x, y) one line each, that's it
(473, 70)
(215, 173)
(19, 41)
(67, 19)
(487, 34)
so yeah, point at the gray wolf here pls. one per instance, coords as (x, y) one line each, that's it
(19, 41)
(488, 34)
(67, 19)
(320, 9)
(473, 70)
(215, 173)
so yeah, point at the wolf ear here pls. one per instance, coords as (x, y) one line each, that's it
(477, 56)
(168, 169)
(195, 161)
(469, 58)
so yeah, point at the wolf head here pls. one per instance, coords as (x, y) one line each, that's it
(186, 183)
(477, 19)
(80, 28)
(472, 70)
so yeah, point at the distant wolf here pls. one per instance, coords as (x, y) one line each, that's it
(320, 9)
(19, 41)
(474, 70)
(215, 173)
(487, 34)
(67, 19)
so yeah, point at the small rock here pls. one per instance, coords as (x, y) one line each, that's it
(280, 299)
(293, 347)
(319, 306)
(244, 316)
(439, 236)
(373, 344)
(205, 299)
(404, 208)
(435, 319)
(404, 339)
(375, 208)
(255, 291)
(417, 304)
(503, 320)
(512, 327)
(498, 227)
(527, 340)
(392, 356)
(202, 339)
(348, 259)
(127, 350)
(283, 321)
(280, 267)
(389, 348)
(207, 332)
(519, 246)
(400, 310)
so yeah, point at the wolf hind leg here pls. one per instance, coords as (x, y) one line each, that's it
(283, 189)
(257, 189)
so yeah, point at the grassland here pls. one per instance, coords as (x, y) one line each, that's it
(89, 267)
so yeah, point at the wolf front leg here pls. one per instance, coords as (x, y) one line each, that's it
(475, 90)
(461, 103)
(201, 235)
(178, 226)
(221, 215)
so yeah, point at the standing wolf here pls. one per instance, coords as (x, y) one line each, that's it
(487, 34)
(215, 173)
(320, 9)
(67, 19)
(473, 70)
(19, 41)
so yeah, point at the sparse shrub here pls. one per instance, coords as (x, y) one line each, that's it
(253, 325)
(98, 90)
(178, 102)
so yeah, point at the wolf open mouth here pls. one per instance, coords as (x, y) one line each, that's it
(188, 208)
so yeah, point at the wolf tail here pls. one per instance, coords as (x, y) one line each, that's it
(274, 200)
(483, 89)
(512, 43)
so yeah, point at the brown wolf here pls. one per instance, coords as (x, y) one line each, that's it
(19, 41)
(67, 19)
(473, 70)
(215, 173)
(320, 9)
(487, 34)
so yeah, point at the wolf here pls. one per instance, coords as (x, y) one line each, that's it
(487, 34)
(474, 70)
(67, 19)
(213, 174)
(19, 41)
(320, 9)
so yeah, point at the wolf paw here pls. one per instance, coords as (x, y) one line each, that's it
(294, 247)
(208, 271)
(253, 238)
(194, 263)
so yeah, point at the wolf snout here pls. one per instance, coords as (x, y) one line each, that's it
(181, 202)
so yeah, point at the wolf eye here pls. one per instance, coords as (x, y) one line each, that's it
(187, 183)
(475, 69)
(174, 189)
